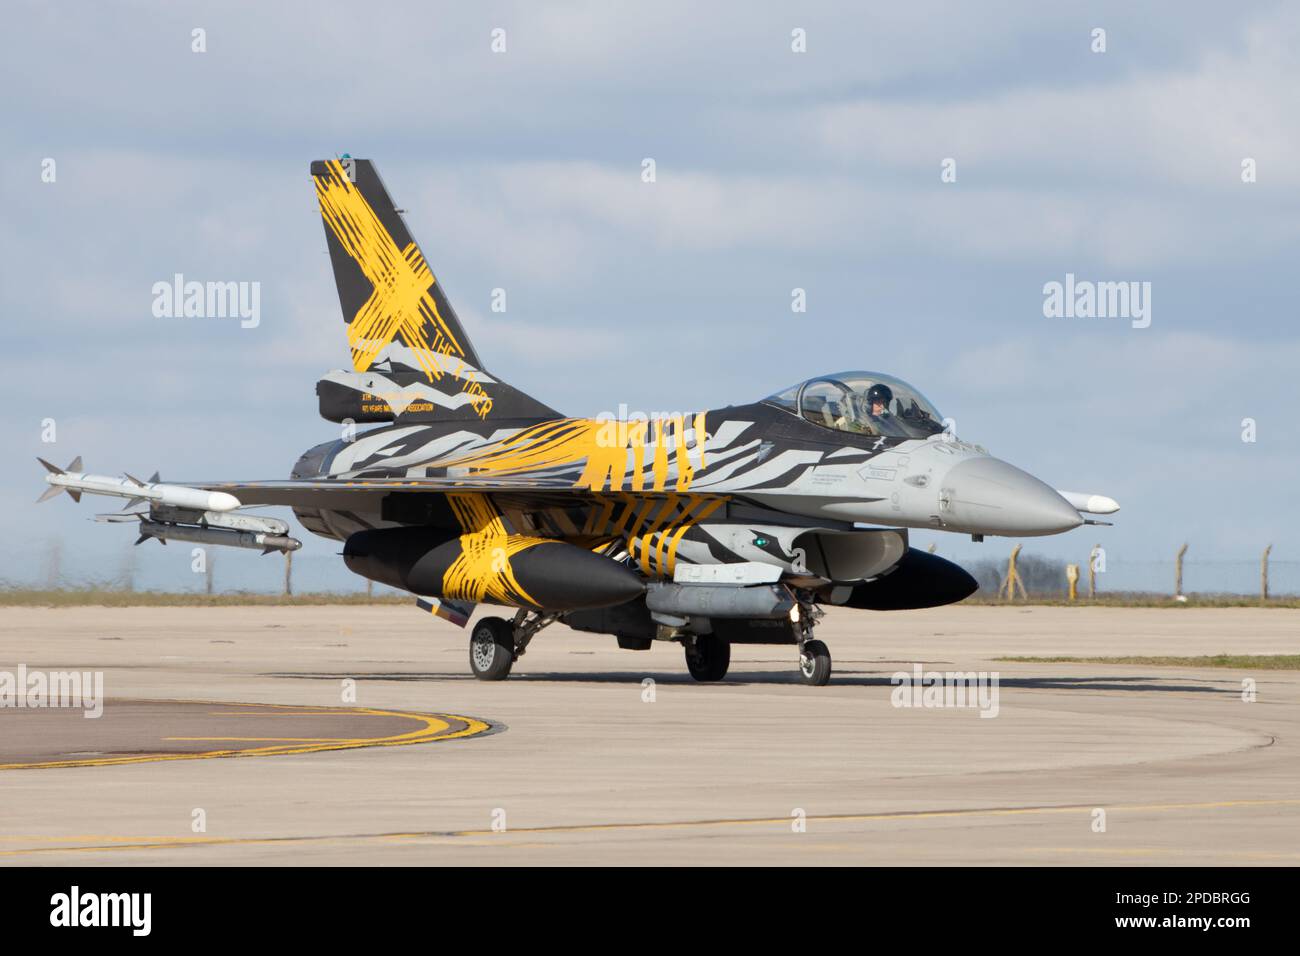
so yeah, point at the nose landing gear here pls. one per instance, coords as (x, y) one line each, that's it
(814, 663)
(814, 657)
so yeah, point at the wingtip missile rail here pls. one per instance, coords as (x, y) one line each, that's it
(76, 483)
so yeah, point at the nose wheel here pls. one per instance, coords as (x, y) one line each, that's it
(814, 657)
(814, 663)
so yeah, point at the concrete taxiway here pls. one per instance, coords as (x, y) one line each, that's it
(245, 714)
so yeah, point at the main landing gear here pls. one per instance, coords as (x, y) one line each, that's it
(495, 643)
(708, 657)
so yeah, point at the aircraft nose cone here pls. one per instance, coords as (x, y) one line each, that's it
(986, 495)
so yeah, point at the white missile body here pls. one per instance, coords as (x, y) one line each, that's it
(77, 483)
(1090, 504)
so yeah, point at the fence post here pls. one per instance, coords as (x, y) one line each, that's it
(54, 565)
(1072, 575)
(1178, 571)
(1263, 575)
(288, 574)
(1013, 582)
(210, 561)
(1092, 571)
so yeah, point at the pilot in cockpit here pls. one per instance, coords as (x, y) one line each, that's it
(879, 398)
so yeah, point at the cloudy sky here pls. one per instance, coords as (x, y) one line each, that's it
(775, 170)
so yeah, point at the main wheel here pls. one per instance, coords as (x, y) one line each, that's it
(492, 648)
(709, 658)
(815, 663)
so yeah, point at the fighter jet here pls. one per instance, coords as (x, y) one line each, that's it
(735, 525)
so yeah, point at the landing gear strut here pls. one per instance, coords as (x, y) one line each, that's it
(814, 657)
(495, 643)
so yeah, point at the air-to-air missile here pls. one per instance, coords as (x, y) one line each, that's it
(176, 512)
(167, 523)
(166, 531)
(76, 482)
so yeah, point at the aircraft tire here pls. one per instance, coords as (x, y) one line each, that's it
(492, 648)
(709, 659)
(815, 664)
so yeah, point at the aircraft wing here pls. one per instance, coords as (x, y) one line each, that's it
(357, 493)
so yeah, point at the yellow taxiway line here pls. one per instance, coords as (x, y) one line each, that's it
(504, 838)
(433, 727)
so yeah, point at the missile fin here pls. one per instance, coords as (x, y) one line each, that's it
(141, 540)
(48, 467)
(50, 492)
(75, 465)
(76, 495)
(132, 503)
(155, 479)
(130, 477)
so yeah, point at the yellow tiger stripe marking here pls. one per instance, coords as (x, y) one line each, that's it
(710, 506)
(597, 519)
(601, 447)
(669, 510)
(400, 280)
(627, 514)
(700, 436)
(682, 454)
(637, 440)
(660, 466)
(482, 571)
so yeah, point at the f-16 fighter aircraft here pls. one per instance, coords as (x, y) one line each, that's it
(735, 525)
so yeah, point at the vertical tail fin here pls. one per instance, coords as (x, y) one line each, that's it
(405, 337)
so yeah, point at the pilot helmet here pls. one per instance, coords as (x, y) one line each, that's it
(880, 395)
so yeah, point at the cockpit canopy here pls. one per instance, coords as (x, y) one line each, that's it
(862, 403)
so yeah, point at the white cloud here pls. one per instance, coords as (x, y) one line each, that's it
(1187, 126)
